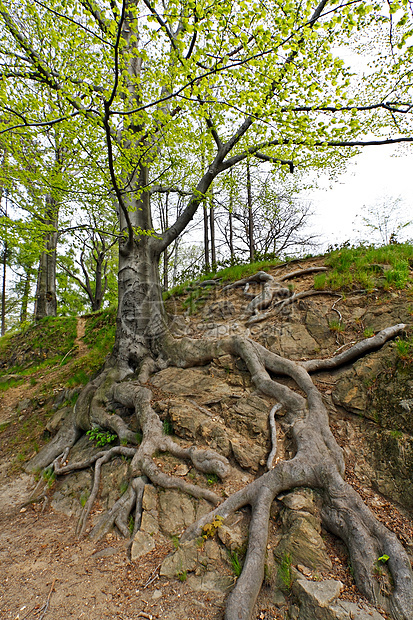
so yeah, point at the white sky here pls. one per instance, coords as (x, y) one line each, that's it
(379, 171)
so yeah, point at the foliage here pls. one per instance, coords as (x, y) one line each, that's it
(209, 529)
(100, 437)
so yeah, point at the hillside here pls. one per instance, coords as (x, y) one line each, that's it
(215, 406)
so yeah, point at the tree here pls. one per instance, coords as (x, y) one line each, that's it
(131, 82)
(385, 219)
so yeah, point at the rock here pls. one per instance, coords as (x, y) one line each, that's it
(219, 310)
(211, 582)
(176, 512)
(296, 342)
(233, 533)
(142, 544)
(191, 382)
(53, 425)
(247, 454)
(186, 418)
(301, 540)
(318, 601)
(23, 404)
(150, 514)
(249, 416)
(183, 560)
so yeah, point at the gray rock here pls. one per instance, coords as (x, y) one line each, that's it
(176, 512)
(318, 601)
(211, 582)
(184, 559)
(142, 544)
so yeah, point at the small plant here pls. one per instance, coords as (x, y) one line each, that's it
(212, 479)
(167, 427)
(49, 476)
(236, 562)
(209, 529)
(123, 487)
(101, 438)
(175, 541)
(404, 350)
(83, 498)
(131, 524)
(182, 575)
(284, 571)
(320, 281)
(336, 326)
(368, 332)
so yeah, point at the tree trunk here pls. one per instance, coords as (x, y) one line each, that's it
(250, 217)
(206, 239)
(212, 227)
(46, 301)
(3, 292)
(25, 298)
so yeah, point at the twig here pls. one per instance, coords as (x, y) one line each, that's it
(152, 576)
(46, 605)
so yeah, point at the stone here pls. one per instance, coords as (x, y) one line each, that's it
(184, 559)
(23, 404)
(191, 382)
(54, 423)
(296, 342)
(142, 544)
(211, 582)
(247, 454)
(250, 416)
(176, 512)
(301, 539)
(318, 601)
(233, 533)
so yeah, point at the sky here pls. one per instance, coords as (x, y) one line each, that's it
(378, 172)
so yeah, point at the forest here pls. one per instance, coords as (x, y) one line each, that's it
(145, 147)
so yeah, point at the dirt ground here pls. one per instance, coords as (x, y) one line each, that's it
(47, 573)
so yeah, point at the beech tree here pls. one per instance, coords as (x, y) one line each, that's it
(130, 83)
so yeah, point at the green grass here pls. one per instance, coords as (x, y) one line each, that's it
(229, 274)
(38, 345)
(362, 267)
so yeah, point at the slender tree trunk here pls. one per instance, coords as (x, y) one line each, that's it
(46, 301)
(3, 292)
(212, 228)
(250, 217)
(206, 238)
(231, 223)
(25, 298)
(176, 256)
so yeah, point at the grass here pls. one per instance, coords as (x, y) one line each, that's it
(38, 345)
(236, 562)
(367, 267)
(229, 274)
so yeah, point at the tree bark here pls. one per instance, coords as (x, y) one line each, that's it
(250, 216)
(46, 300)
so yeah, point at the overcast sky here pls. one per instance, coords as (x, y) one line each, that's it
(374, 174)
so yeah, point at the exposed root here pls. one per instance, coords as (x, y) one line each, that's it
(273, 430)
(318, 461)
